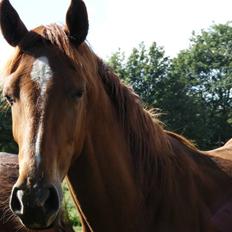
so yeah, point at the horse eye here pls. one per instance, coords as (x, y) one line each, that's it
(76, 94)
(10, 99)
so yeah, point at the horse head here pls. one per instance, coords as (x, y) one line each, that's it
(46, 91)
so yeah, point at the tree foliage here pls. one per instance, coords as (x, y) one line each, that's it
(7, 143)
(193, 90)
(144, 70)
(205, 70)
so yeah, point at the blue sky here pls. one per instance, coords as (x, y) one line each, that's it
(125, 23)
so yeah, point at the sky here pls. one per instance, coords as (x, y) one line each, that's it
(125, 23)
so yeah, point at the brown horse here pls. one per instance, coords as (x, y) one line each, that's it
(8, 221)
(72, 116)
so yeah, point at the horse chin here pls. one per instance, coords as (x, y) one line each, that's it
(52, 221)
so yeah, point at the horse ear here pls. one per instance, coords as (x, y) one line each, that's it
(11, 25)
(77, 21)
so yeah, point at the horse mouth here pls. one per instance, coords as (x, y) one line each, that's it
(34, 223)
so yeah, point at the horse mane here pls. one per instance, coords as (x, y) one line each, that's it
(149, 143)
(189, 144)
(161, 158)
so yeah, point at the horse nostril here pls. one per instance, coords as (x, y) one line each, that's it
(16, 201)
(52, 202)
(35, 206)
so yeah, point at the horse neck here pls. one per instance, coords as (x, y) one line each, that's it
(103, 178)
(104, 183)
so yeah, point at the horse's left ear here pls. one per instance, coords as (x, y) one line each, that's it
(77, 22)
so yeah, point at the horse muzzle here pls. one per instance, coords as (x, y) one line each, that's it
(37, 206)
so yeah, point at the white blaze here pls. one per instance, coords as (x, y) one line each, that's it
(41, 73)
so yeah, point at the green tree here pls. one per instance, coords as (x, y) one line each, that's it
(7, 143)
(117, 63)
(143, 69)
(205, 73)
(183, 112)
(193, 90)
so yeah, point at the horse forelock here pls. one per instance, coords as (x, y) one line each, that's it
(54, 34)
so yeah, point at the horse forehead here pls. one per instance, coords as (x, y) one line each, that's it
(41, 72)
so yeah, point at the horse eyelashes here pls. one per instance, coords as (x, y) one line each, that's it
(76, 95)
(10, 99)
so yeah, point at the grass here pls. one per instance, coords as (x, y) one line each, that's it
(71, 210)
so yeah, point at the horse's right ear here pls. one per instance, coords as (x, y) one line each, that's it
(77, 22)
(13, 29)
